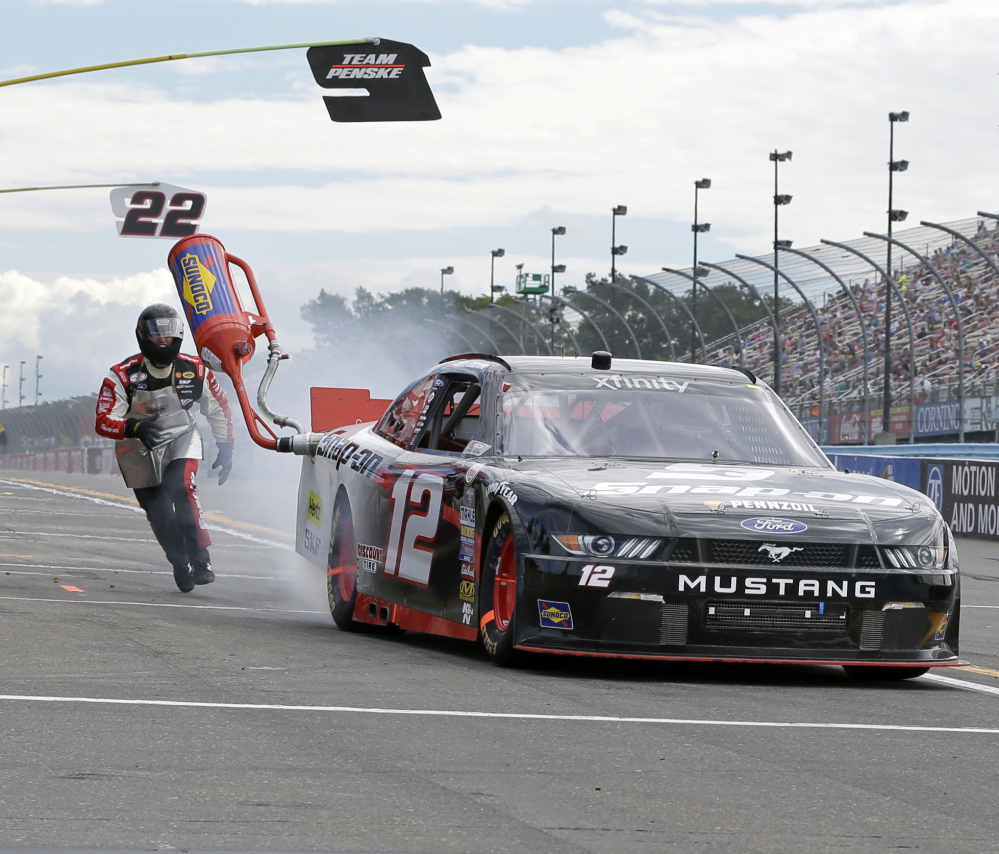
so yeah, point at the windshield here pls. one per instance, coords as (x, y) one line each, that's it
(693, 420)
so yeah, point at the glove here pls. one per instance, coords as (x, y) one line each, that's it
(146, 431)
(223, 461)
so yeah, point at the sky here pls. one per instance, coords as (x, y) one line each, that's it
(554, 111)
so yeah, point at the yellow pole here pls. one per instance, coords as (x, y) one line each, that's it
(77, 187)
(49, 75)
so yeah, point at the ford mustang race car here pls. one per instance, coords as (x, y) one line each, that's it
(631, 509)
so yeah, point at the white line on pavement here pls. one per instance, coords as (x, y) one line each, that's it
(157, 605)
(122, 506)
(961, 683)
(447, 713)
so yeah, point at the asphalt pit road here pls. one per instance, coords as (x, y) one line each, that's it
(87, 775)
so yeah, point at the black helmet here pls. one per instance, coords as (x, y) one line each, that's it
(158, 322)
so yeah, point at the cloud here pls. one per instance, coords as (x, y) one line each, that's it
(80, 326)
(634, 119)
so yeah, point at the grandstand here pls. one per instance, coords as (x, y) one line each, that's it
(823, 384)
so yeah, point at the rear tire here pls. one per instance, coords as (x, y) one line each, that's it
(869, 673)
(341, 572)
(498, 594)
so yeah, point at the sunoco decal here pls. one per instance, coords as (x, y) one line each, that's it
(769, 525)
(198, 269)
(555, 615)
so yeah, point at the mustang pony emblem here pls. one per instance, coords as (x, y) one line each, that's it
(778, 553)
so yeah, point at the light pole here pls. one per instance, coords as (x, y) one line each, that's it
(560, 268)
(3, 388)
(38, 379)
(20, 387)
(445, 271)
(697, 228)
(496, 253)
(886, 437)
(619, 210)
(777, 157)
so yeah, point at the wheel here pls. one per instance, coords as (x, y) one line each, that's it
(498, 594)
(883, 674)
(341, 572)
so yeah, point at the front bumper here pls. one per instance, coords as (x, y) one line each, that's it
(727, 613)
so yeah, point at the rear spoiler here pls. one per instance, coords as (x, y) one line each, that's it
(344, 407)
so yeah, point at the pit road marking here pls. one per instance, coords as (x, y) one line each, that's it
(156, 605)
(442, 713)
(214, 517)
(131, 504)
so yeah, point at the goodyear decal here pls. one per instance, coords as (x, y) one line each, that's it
(314, 513)
(555, 615)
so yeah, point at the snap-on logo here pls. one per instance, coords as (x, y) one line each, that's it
(769, 525)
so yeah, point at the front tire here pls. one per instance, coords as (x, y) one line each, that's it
(498, 594)
(341, 572)
(868, 673)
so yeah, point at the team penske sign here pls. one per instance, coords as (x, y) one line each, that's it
(382, 81)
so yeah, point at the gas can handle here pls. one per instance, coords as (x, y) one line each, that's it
(267, 327)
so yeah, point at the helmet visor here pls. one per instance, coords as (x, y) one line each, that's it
(162, 327)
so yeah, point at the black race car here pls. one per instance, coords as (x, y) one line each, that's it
(630, 509)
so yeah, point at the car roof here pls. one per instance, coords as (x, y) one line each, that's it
(582, 365)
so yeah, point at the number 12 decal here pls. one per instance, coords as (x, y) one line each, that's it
(596, 576)
(416, 515)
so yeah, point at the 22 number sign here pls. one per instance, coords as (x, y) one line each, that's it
(162, 210)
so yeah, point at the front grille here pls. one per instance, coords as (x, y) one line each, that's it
(684, 551)
(872, 630)
(867, 558)
(754, 553)
(776, 616)
(763, 553)
(674, 625)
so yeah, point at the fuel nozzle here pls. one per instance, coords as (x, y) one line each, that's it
(223, 331)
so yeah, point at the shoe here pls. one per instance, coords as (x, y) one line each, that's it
(182, 575)
(202, 573)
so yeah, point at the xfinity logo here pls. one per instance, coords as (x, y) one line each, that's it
(777, 586)
(774, 526)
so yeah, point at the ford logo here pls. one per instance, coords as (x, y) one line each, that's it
(774, 526)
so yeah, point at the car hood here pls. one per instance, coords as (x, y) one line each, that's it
(718, 499)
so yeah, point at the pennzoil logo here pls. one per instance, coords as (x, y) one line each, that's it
(315, 510)
(555, 615)
(199, 282)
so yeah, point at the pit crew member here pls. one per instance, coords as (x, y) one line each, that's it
(145, 403)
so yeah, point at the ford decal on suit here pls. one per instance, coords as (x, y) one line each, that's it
(650, 510)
